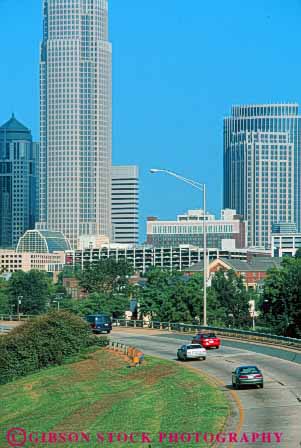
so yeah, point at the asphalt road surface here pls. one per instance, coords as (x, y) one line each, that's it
(275, 408)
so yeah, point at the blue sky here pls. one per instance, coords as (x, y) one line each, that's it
(178, 66)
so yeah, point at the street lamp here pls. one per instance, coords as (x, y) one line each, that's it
(202, 187)
(19, 301)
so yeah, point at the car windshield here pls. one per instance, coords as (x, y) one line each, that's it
(248, 370)
(191, 347)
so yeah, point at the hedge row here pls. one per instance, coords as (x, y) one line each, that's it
(45, 341)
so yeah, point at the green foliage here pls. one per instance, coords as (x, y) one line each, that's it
(35, 289)
(231, 298)
(44, 341)
(281, 298)
(113, 304)
(168, 296)
(106, 276)
(4, 301)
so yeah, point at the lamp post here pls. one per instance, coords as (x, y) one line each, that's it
(19, 301)
(202, 187)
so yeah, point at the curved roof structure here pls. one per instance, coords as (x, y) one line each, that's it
(43, 241)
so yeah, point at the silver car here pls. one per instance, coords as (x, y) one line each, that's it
(191, 351)
(247, 376)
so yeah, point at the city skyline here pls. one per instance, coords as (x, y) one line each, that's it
(185, 135)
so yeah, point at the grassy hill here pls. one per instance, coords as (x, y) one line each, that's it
(101, 394)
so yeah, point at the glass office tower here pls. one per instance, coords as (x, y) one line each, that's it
(76, 118)
(262, 157)
(18, 182)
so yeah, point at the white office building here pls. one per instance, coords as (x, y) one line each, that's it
(125, 204)
(76, 118)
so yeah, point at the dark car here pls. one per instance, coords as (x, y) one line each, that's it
(100, 323)
(246, 376)
(207, 340)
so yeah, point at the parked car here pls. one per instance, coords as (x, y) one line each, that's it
(247, 375)
(191, 351)
(99, 323)
(207, 340)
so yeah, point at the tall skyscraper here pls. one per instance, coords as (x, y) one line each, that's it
(18, 182)
(125, 204)
(262, 165)
(76, 118)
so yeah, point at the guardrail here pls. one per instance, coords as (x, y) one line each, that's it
(226, 332)
(4, 330)
(15, 317)
(133, 353)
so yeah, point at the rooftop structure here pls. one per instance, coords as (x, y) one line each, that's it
(43, 241)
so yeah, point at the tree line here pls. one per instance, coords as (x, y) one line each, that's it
(167, 295)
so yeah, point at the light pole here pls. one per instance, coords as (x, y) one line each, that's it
(202, 187)
(58, 296)
(19, 301)
(58, 304)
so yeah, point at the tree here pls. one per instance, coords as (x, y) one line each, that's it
(115, 305)
(232, 296)
(170, 296)
(106, 276)
(281, 298)
(4, 302)
(35, 289)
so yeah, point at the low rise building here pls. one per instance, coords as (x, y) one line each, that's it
(229, 231)
(12, 261)
(253, 271)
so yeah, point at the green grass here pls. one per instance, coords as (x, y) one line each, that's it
(101, 394)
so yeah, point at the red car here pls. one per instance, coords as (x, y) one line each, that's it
(207, 340)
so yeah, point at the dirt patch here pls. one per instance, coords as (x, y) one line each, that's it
(88, 369)
(28, 389)
(152, 375)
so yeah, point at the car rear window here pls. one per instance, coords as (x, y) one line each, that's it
(190, 347)
(208, 336)
(248, 370)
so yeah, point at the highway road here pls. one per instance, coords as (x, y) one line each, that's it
(274, 409)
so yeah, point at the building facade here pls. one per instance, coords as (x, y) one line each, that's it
(12, 261)
(75, 118)
(125, 204)
(142, 258)
(230, 230)
(18, 182)
(262, 167)
(252, 271)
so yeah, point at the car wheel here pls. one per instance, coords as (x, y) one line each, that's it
(261, 386)
(233, 385)
(108, 331)
(217, 347)
(184, 358)
(178, 356)
(204, 358)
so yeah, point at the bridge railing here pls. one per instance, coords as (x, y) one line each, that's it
(226, 332)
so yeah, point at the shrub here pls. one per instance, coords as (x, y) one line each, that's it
(42, 342)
